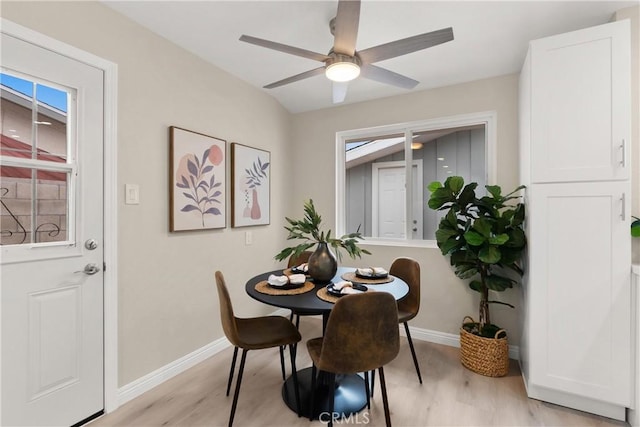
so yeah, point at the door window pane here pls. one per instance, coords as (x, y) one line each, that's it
(33, 206)
(34, 202)
(34, 120)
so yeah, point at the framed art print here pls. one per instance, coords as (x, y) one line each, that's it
(250, 186)
(198, 180)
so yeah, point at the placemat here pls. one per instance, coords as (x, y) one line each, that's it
(351, 276)
(288, 272)
(324, 295)
(264, 288)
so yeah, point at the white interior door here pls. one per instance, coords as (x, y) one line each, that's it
(389, 190)
(52, 279)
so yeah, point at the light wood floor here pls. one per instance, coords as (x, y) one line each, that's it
(450, 395)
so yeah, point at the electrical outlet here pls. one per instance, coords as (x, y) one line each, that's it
(248, 238)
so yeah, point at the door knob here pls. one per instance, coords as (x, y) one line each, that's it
(91, 244)
(89, 269)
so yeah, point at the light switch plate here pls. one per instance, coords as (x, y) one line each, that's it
(131, 194)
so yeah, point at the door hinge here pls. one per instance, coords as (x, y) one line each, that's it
(104, 266)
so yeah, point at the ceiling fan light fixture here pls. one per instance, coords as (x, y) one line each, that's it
(342, 68)
(342, 71)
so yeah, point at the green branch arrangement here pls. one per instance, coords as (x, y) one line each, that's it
(309, 230)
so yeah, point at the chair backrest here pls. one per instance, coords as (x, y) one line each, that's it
(302, 258)
(226, 311)
(361, 333)
(408, 270)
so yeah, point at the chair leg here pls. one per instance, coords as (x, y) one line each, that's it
(294, 374)
(284, 375)
(413, 351)
(385, 401)
(373, 381)
(239, 381)
(313, 391)
(366, 389)
(332, 395)
(233, 367)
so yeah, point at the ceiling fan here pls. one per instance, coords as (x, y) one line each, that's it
(343, 63)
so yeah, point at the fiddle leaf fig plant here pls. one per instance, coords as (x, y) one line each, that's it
(309, 230)
(635, 227)
(483, 237)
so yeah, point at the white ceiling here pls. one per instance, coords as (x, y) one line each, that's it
(490, 38)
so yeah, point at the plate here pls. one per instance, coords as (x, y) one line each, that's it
(287, 286)
(372, 276)
(296, 270)
(336, 293)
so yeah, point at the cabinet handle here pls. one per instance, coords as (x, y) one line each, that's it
(623, 200)
(623, 162)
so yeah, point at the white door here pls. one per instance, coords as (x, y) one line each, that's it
(52, 238)
(389, 189)
(580, 289)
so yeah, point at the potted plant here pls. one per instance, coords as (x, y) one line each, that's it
(635, 227)
(485, 240)
(322, 263)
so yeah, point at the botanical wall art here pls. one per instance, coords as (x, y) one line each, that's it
(250, 186)
(198, 177)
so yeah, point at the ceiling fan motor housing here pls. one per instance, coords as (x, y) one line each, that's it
(335, 58)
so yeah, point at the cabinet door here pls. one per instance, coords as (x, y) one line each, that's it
(580, 289)
(580, 101)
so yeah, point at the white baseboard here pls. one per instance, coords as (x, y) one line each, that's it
(444, 338)
(160, 375)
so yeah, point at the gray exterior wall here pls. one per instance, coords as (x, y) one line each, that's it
(464, 153)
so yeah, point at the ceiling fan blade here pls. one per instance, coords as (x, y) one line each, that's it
(404, 46)
(284, 48)
(295, 78)
(339, 91)
(346, 27)
(382, 75)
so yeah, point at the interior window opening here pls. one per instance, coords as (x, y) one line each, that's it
(377, 181)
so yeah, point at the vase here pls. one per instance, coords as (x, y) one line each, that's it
(322, 264)
(255, 207)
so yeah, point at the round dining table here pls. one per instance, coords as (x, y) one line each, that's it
(349, 394)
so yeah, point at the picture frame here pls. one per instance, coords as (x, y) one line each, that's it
(250, 186)
(197, 184)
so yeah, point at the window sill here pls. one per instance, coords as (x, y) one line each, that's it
(372, 241)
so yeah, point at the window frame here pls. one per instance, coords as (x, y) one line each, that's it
(487, 118)
(43, 250)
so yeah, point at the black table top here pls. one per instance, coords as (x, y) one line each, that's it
(309, 301)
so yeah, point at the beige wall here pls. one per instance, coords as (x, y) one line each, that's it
(167, 300)
(445, 299)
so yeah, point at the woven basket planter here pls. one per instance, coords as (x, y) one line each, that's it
(485, 356)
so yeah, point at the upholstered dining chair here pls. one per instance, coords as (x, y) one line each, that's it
(293, 262)
(408, 270)
(361, 335)
(254, 333)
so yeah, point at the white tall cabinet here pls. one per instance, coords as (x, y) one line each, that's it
(575, 130)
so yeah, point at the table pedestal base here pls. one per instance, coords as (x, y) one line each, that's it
(349, 394)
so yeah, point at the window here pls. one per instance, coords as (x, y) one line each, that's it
(379, 167)
(36, 166)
